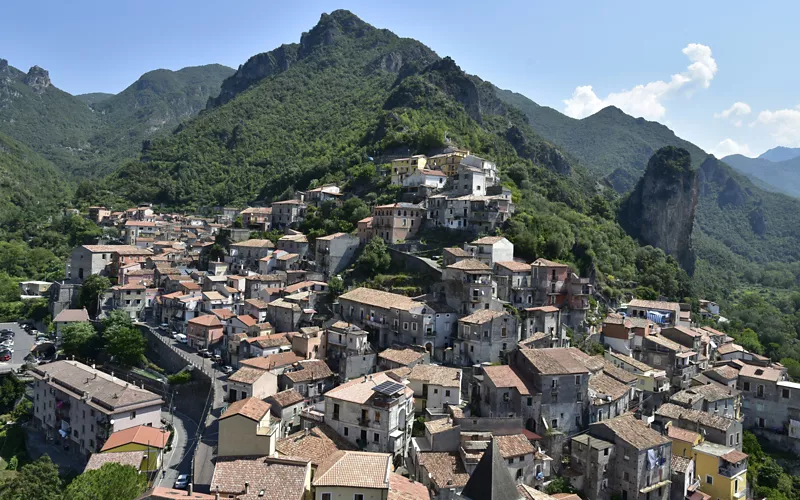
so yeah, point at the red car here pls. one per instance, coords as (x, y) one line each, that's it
(5, 357)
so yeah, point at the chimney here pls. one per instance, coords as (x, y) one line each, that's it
(246, 487)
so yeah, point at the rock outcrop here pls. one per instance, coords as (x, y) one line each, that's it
(38, 79)
(661, 209)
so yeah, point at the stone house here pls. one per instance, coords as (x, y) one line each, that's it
(347, 351)
(715, 428)
(258, 218)
(311, 378)
(435, 387)
(711, 398)
(546, 320)
(467, 286)
(680, 363)
(247, 429)
(289, 213)
(662, 313)
(491, 249)
(251, 382)
(68, 316)
(400, 357)
(485, 336)
(204, 331)
(397, 222)
(374, 412)
(610, 398)
(287, 406)
(769, 400)
(322, 194)
(294, 244)
(514, 282)
(335, 252)
(131, 299)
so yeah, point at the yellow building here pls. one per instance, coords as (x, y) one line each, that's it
(402, 167)
(683, 441)
(247, 429)
(447, 162)
(147, 440)
(722, 471)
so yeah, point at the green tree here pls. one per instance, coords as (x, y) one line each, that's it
(125, 343)
(749, 340)
(112, 481)
(38, 480)
(375, 258)
(117, 318)
(80, 340)
(560, 485)
(92, 289)
(11, 390)
(335, 286)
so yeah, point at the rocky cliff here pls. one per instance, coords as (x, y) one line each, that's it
(661, 209)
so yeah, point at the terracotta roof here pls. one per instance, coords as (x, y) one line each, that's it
(379, 298)
(340, 468)
(313, 369)
(360, 390)
(482, 316)
(118, 249)
(673, 411)
(315, 444)
(223, 313)
(560, 360)
(457, 252)
(546, 309)
(104, 390)
(761, 372)
(213, 295)
(246, 375)
(247, 319)
(267, 341)
(725, 372)
(436, 375)
(514, 445)
(257, 303)
(604, 385)
(268, 478)
(131, 458)
(286, 398)
(514, 266)
(71, 315)
(667, 343)
(655, 304)
(254, 243)
(710, 392)
(680, 464)
(566, 496)
(141, 434)
(252, 408)
(470, 265)
(272, 361)
(628, 360)
(205, 320)
(734, 456)
(487, 240)
(445, 468)
(402, 488)
(503, 376)
(438, 425)
(634, 432)
(684, 435)
(547, 263)
(619, 374)
(404, 356)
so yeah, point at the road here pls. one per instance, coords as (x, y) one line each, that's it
(208, 432)
(22, 347)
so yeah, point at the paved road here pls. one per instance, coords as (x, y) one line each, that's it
(179, 459)
(22, 346)
(206, 447)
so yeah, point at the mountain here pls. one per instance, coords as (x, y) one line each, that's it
(779, 176)
(346, 92)
(30, 188)
(86, 135)
(780, 153)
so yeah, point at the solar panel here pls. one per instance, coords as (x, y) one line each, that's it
(389, 388)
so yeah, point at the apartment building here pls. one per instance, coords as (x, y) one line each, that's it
(82, 406)
(247, 428)
(374, 413)
(715, 428)
(131, 299)
(434, 387)
(397, 222)
(711, 398)
(770, 401)
(289, 213)
(347, 351)
(722, 471)
(485, 336)
(680, 363)
(335, 252)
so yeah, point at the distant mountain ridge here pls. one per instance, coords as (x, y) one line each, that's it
(780, 153)
(88, 135)
(778, 176)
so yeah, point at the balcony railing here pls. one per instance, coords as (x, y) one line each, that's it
(731, 471)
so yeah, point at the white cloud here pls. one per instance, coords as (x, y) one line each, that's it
(730, 147)
(646, 100)
(783, 125)
(738, 109)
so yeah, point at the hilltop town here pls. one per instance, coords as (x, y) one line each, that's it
(274, 364)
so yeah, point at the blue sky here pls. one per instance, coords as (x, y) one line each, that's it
(683, 63)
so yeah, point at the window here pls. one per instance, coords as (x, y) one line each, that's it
(761, 422)
(626, 476)
(709, 479)
(510, 461)
(325, 496)
(376, 437)
(530, 401)
(436, 391)
(346, 431)
(505, 396)
(577, 380)
(377, 417)
(554, 423)
(553, 383)
(580, 397)
(133, 414)
(447, 394)
(785, 393)
(336, 412)
(405, 325)
(746, 386)
(736, 486)
(605, 452)
(503, 332)
(486, 334)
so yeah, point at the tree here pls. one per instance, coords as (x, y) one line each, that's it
(37, 480)
(335, 286)
(10, 391)
(125, 343)
(375, 258)
(560, 485)
(80, 340)
(749, 340)
(92, 289)
(117, 318)
(112, 481)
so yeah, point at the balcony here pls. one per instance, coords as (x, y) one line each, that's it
(363, 422)
(732, 470)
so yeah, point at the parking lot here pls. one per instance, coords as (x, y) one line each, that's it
(22, 346)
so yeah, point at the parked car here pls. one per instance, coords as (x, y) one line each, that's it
(164, 326)
(6, 331)
(217, 358)
(181, 338)
(204, 353)
(173, 334)
(227, 370)
(181, 482)
(5, 356)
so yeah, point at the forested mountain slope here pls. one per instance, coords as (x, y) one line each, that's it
(781, 176)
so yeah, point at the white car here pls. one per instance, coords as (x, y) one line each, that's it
(181, 338)
(181, 482)
(227, 369)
